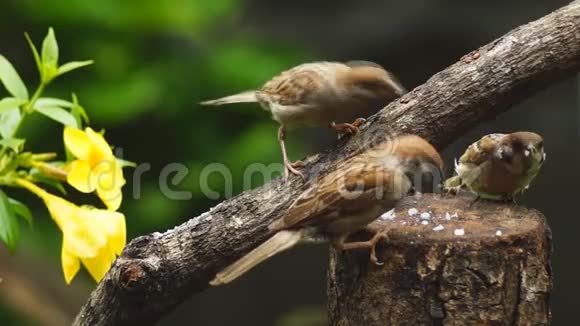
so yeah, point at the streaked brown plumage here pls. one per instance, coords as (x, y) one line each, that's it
(346, 200)
(321, 94)
(499, 166)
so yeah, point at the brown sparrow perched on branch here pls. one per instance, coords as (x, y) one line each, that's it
(321, 94)
(346, 200)
(499, 166)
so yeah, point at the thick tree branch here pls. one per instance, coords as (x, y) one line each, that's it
(156, 272)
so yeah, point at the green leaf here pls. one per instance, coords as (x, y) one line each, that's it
(58, 114)
(34, 52)
(9, 120)
(70, 66)
(79, 112)
(9, 231)
(12, 80)
(16, 144)
(52, 102)
(76, 110)
(10, 103)
(50, 50)
(21, 210)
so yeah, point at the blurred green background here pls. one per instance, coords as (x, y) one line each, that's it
(155, 60)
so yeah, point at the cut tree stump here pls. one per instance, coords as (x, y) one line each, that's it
(460, 263)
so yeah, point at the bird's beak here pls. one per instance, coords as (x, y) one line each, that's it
(543, 157)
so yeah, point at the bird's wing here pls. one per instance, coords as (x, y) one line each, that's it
(332, 192)
(481, 150)
(476, 155)
(302, 84)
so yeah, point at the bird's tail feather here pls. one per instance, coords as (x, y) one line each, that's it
(244, 97)
(279, 242)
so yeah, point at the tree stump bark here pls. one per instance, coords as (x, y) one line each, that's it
(449, 261)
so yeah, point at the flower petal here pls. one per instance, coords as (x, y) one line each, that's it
(91, 236)
(112, 224)
(82, 243)
(100, 264)
(78, 236)
(62, 211)
(108, 174)
(111, 198)
(70, 265)
(99, 142)
(118, 238)
(80, 176)
(77, 142)
(109, 182)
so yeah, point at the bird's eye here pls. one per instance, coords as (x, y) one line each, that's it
(517, 146)
(541, 144)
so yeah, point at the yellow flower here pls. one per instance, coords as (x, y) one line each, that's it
(93, 237)
(96, 168)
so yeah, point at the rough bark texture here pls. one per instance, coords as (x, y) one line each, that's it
(497, 273)
(156, 272)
